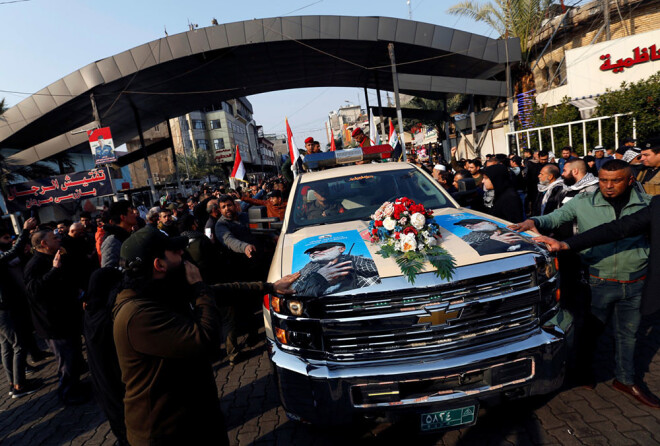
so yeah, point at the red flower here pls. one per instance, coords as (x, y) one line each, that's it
(417, 208)
(378, 223)
(374, 231)
(397, 235)
(409, 229)
(397, 215)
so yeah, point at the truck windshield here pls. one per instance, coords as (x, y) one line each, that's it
(356, 197)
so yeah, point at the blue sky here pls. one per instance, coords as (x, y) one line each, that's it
(44, 40)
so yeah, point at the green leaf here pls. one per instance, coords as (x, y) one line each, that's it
(411, 263)
(387, 251)
(443, 262)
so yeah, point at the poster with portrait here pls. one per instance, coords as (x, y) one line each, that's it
(332, 263)
(486, 236)
(103, 148)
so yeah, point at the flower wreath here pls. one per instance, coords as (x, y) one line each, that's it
(404, 231)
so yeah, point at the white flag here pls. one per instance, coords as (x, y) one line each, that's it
(374, 136)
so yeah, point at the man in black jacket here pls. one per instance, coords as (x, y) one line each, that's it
(13, 348)
(550, 190)
(53, 292)
(645, 221)
(123, 217)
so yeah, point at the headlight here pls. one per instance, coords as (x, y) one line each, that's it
(546, 268)
(295, 307)
(283, 306)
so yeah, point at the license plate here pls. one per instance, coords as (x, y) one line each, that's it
(449, 418)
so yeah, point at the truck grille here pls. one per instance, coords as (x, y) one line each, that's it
(455, 316)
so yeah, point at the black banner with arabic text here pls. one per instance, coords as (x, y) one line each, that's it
(59, 189)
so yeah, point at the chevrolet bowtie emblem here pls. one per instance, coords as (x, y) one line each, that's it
(438, 317)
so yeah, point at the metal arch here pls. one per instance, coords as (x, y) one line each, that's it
(265, 55)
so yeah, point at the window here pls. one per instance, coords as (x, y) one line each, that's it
(198, 124)
(219, 143)
(202, 144)
(357, 197)
(215, 124)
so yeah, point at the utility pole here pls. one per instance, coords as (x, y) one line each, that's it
(397, 100)
(143, 147)
(606, 13)
(409, 9)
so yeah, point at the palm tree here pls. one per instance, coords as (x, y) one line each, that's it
(510, 18)
(199, 165)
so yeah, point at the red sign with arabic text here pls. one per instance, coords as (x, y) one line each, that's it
(640, 55)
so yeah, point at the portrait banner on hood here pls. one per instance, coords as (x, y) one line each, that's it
(486, 236)
(332, 263)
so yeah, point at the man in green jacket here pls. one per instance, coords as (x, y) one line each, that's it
(616, 270)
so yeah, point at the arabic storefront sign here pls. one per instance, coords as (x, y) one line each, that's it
(60, 189)
(641, 55)
(103, 148)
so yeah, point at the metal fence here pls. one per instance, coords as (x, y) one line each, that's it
(541, 132)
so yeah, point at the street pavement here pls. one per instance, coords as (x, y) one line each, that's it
(573, 416)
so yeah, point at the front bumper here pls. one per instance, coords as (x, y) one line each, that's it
(328, 393)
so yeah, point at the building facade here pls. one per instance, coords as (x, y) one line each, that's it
(219, 131)
(577, 43)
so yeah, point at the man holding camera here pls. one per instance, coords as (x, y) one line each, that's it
(166, 325)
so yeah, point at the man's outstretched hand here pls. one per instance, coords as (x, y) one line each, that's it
(283, 286)
(527, 225)
(552, 244)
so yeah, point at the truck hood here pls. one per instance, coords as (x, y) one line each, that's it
(470, 237)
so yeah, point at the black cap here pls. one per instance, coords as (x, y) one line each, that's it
(626, 140)
(471, 221)
(275, 194)
(141, 248)
(652, 143)
(323, 246)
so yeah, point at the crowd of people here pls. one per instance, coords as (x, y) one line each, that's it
(598, 212)
(156, 292)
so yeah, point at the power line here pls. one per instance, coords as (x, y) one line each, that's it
(304, 7)
(13, 1)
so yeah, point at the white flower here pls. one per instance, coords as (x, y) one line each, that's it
(397, 245)
(403, 221)
(388, 209)
(378, 215)
(417, 220)
(408, 242)
(389, 223)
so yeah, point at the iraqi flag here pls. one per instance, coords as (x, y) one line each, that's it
(238, 171)
(374, 136)
(395, 143)
(294, 154)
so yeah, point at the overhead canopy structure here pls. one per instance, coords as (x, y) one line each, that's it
(174, 75)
